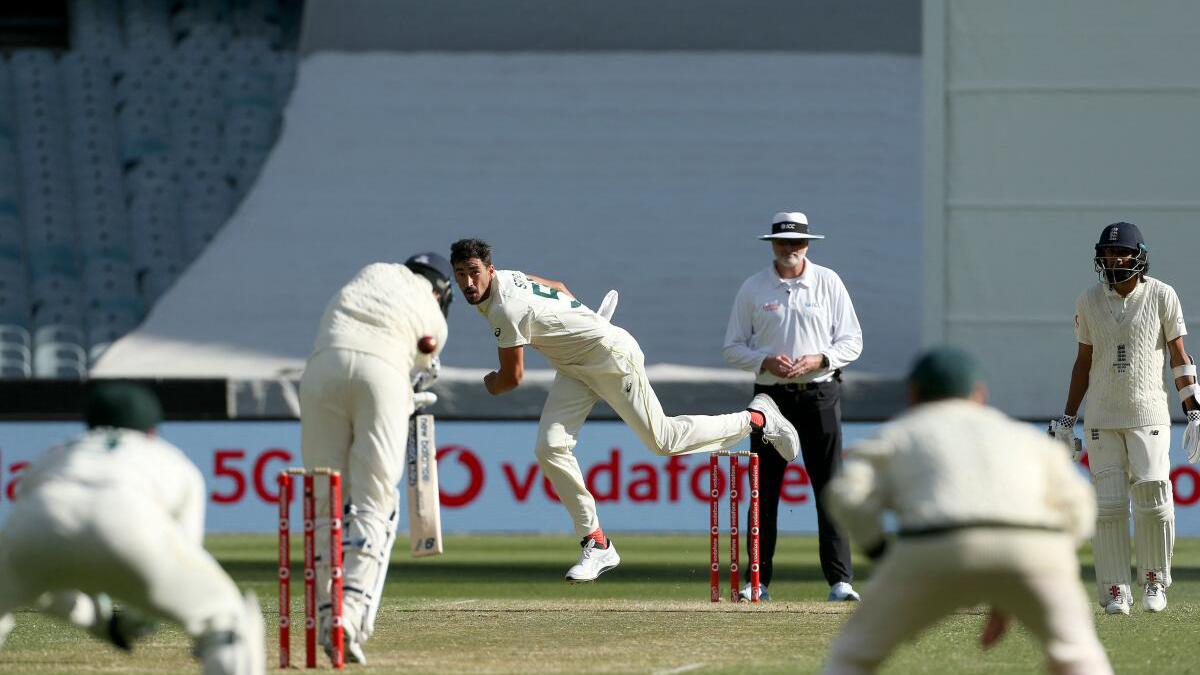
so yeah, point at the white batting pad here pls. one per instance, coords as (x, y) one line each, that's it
(366, 554)
(1111, 543)
(1154, 530)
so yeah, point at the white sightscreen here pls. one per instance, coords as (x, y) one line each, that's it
(1045, 121)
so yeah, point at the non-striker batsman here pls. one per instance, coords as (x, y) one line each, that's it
(1125, 326)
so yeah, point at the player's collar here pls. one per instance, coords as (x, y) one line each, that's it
(805, 279)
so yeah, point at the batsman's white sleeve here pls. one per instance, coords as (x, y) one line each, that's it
(1171, 314)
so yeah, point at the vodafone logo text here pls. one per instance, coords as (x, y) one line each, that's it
(619, 477)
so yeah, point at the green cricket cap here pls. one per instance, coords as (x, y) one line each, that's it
(122, 404)
(945, 372)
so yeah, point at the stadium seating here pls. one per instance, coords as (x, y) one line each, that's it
(121, 159)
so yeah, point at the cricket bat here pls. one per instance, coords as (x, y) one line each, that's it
(424, 507)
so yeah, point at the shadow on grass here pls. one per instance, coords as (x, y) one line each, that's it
(528, 572)
(507, 571)
(1178, 573)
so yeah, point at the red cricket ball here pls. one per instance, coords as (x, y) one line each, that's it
(427, 344)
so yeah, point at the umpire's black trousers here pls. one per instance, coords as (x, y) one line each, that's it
(815, 409)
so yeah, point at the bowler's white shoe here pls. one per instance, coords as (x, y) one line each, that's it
(843, 592)
(777, 431)
(1155, 597)
(593, 562)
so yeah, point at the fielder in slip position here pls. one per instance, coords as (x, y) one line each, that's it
(119, 513)
(356, 396)
(595, 360)
(1123, 326)
(989, 512)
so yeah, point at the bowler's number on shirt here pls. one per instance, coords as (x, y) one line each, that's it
(551, 293)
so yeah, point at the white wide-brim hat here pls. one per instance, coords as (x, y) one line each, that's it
(790, 225)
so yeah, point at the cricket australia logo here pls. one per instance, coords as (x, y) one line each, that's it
(1121, 365)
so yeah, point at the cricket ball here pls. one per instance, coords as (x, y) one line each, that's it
(427, 344)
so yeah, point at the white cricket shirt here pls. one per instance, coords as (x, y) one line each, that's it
(811, 314)
(127, 461)
(383, 311)
(523, 312)
(957, 463)
(1128, 336)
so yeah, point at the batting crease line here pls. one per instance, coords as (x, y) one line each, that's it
(563, 610)
(680, 669)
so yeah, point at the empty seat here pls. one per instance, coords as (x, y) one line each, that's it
(58, 360)
(11, 333)
(108, 280)
(47, 313)
(48, 261)
(55, 298)
(14, 309)
(15, 351)
(58, 333)
(15, 370)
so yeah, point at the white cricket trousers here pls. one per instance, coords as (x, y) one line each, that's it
(1131, 465)
(1033, 576)
(66, 537)
(354, 411)
(616, 373)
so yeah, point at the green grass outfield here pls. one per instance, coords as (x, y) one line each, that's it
(497, 604)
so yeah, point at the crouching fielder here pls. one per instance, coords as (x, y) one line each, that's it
(990, 512)
(118, 512)
(355, 400)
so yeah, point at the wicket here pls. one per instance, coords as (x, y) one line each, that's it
(310, 569)
(714, 548)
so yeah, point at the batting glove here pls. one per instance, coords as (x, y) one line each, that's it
(424, 399)
(1062, 429)
(425, 377)
(1191, 436)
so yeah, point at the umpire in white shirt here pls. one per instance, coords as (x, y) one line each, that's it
(794, 326)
